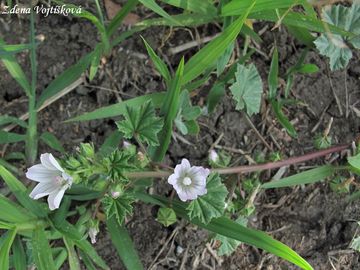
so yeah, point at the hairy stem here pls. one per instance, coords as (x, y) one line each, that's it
(32, 140)
(250, 168)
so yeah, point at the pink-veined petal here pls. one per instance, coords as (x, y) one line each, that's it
(40, 173)
(42, 190)
(173, 179)
(50, 162)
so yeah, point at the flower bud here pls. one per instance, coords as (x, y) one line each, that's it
(87, 150)
(213, 156)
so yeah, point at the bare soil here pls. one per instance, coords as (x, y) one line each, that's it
(313, 220)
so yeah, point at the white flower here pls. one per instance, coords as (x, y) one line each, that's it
(189, 182)
(213, 156)
(53, 181)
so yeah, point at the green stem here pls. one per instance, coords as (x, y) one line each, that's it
(32, 140)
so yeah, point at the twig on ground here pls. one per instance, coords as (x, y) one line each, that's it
(173, 234)
(257, 132)
(334, 94)
(347, 111)
(218, 259)
(320, 118)
(191, 44)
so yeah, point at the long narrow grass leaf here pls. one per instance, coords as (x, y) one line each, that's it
(19, 255)
(20, 192)
(51, 140)
(119, 108)
(169, 110)
(15, 70)
(41, 250)
(9, 137)
(235, 8)
(231, 229)
(124, 245)
(66, 78)
(208, 55)
(159, 64)
(9, 237)
(74, 262)
(307, 177)
(13, 213)
(87, 248)
(151, 4)
(205, 7)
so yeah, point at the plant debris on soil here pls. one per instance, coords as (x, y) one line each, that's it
(313, 220)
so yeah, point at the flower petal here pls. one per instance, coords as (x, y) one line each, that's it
(173, 179)
(42, 190)
(181, 168)
(50, 162)
(55, 198)
(40, 173)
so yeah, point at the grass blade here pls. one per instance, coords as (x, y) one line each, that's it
(151, 4)
(69, 76)
(208, 55)
(87, 248)
(52, 141)
(6, 119)
(204, 7)
(119, 108)
(231, 229)
(235, 8)
(282, 118)
(159, 64)
(9, 137)
(19, 255)
(273, 74)
(299, 20)
(169, 110)
(13, 49)
(20, 192)
(307, 177)
(15, 70)
(41, 250)
(60, 257)
(111, 143)
(13, 213)
(73, 258)
(181, 20)
(7, 241)
(124, 245)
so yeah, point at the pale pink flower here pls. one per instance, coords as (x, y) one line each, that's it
(53, 181)
(189, 181)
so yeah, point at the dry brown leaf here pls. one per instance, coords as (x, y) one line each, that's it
(113, 8)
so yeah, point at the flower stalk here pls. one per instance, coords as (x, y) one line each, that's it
(249, 168)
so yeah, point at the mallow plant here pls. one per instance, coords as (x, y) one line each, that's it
(93, 186)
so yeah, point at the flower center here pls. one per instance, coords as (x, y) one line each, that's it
(187, 181)
(59, 180)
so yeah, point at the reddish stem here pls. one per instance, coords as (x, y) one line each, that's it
(250, 168)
